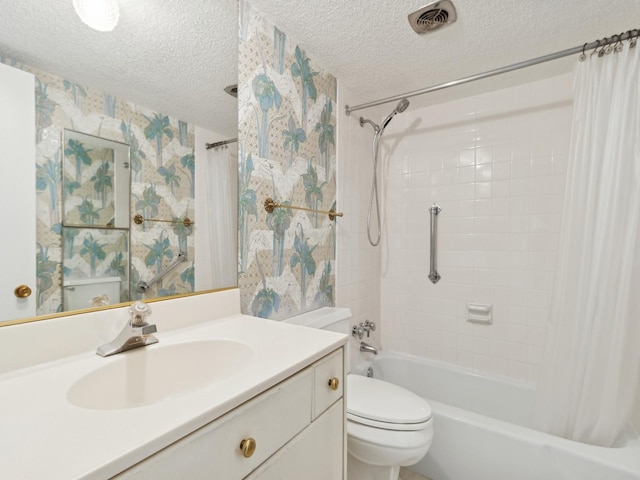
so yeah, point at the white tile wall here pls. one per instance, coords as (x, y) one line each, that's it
(496, 165)
(358, 263)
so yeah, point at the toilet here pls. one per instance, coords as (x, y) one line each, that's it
(388, 427)
(90, 292)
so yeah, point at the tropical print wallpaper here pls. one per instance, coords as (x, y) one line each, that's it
(88, 182)
(287, 151)
(162, 166)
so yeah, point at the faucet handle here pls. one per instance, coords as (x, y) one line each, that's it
(357, 331)
(139, 312)
(368, 327)
(149, 329)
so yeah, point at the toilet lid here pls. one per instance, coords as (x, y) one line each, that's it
(382, 404)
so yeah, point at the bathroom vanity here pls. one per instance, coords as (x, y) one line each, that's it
(228, 397)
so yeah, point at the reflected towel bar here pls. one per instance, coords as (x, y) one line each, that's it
(138, 219)
(434, 210)
(270, 205)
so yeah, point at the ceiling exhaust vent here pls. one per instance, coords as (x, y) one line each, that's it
(433, 16)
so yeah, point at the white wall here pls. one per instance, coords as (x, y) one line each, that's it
(358, 263)
(496, 164)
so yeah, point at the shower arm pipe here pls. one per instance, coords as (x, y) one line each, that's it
(142, 287)
(221, 143)
(498, 71)
(270, 206)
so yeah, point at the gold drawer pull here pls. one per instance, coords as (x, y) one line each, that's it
(22, 291)
(333, 383)
(248, 447)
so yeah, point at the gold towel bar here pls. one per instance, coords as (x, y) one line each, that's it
(138, 219)
(270, 205)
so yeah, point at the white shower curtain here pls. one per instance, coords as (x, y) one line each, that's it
(590, 374)
(221, 171)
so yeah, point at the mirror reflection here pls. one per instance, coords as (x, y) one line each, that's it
(95, 181)
(115, 145)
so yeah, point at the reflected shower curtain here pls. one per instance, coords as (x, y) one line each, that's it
(221, 224)
(589, 378)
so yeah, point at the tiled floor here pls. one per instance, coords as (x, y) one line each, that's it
(408, 475)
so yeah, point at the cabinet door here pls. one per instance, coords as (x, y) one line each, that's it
(315, 454)
(327, 370)
(213, 452)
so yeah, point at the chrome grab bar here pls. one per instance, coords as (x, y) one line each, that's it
(434, 276)
(142, 287)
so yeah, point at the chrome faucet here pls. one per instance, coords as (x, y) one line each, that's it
(136, 333)
(365, 347)
(360, 329)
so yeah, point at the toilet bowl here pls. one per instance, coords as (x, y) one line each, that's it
(388, 427)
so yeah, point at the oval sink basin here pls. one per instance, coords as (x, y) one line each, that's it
(147, 375)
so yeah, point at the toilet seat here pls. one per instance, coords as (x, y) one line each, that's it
(381, 404)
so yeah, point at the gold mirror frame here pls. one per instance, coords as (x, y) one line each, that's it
(108, 307)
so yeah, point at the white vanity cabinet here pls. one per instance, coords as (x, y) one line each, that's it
(294, 430)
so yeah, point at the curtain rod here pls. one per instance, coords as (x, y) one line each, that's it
(516, 66)
(220, 144)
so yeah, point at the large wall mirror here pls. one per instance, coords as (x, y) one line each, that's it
(118, 198)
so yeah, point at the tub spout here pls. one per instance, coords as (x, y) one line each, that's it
(365, 347)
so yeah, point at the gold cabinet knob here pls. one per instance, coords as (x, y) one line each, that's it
(247, 447)
(22, 291)
(333, 383)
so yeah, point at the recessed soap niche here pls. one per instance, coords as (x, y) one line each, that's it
(479, 313)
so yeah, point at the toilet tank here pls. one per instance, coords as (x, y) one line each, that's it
(333, 319)
(91, 292)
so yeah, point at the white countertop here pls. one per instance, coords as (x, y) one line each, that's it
(44, 436)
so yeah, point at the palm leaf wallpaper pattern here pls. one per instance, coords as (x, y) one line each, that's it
(287, 152)
(163, 172)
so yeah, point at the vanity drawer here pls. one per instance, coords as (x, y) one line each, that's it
(271, 419)
(328, 381)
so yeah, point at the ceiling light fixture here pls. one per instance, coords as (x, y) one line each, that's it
(101, 15)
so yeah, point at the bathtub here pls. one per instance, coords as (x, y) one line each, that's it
(481, 429)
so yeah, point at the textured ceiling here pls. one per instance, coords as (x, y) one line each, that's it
(369, 45)
(176, 56)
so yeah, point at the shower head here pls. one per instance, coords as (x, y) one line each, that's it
(401, 107)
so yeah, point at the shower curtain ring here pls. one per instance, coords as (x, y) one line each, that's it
(608, 49)
(595, 49)
(583, 56)
(618, 46)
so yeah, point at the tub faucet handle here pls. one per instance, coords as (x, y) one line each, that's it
(357, 331)
(368, 327)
